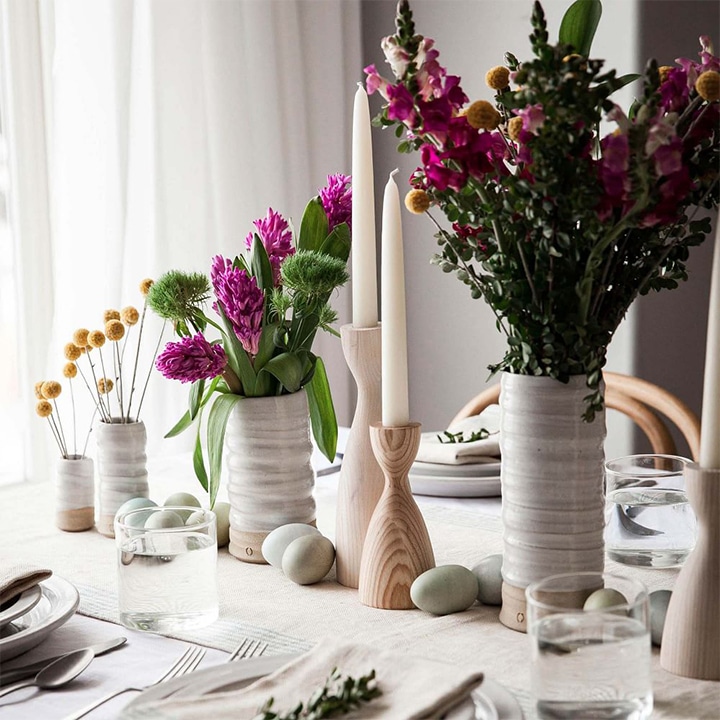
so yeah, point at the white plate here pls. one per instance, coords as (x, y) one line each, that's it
(22, 603)
(494, 701)
(456, 487)
(476, 469)
(58, 602)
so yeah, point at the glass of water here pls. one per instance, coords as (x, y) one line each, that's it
(167, 568)
(648, 520)
(590, 663)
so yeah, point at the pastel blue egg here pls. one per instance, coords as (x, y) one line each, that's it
(659, 600)
(489, 574)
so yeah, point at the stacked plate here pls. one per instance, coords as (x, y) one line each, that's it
(478, 479)
(28, 619)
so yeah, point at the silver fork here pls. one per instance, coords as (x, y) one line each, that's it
(247, 649)
(186, 663)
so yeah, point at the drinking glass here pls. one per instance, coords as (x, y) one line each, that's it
(590, 663)
(648, 520)
(167, 576)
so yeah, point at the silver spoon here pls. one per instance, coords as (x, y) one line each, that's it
(57, 673)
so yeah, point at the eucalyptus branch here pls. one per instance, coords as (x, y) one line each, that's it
(528, 275)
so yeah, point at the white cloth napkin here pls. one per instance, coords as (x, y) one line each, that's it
(433, 451)
(16, 578)
(412, 688)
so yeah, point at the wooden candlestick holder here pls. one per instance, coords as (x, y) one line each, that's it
(397, 547)
(691, 637)
(361, 479)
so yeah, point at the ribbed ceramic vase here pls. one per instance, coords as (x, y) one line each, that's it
(552, 485)
(270, 479)
(75, 493)
(122, 468)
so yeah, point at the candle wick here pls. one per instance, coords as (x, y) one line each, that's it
(360, 85)
(394, 173)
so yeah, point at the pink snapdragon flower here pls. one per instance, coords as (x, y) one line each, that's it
(191, 359)
(276, 236)
(240, 298)
(533, 118)
(336, 199)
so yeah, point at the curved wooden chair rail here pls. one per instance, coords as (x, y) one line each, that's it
(633, 397)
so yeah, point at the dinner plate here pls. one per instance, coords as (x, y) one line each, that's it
(21, 604)
(490, 702)
(454, 486)
(59, 600)
(476, 469)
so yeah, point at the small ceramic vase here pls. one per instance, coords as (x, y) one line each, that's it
(75, 493)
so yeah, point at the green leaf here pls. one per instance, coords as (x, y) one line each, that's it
(266, 346)
(199, 462)
(322, 412)
(182, 424)
(196, 392)
(260, 265)
(337, 243)
(237, 357)
(217, 423)
(313, 226)
(288, 369)
(579, 24)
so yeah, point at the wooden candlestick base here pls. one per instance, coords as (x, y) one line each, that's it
(691, 637)
(397, 547)
(361, 479)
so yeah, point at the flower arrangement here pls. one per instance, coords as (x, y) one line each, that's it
(557, 228)
(270, 301)
(110, 383)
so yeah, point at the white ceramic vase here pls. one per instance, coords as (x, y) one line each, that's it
(75, 493)
(552, 485)
(270, 479)
(122, 468)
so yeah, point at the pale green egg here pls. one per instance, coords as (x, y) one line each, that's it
(604, 598)
(276, 542)
(659, 600)
(137, 503)
(445, 589)
(163, 519)
(308, 559)
(222, 512)
(489, 574)
(182, 499)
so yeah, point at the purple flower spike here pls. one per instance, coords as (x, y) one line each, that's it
(276, 236)
(191, 359)
(336, 199)
(241, 300)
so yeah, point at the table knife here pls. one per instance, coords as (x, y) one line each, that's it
(25, 671)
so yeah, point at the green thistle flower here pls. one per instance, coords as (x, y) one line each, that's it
(313, 274)
(178, 296)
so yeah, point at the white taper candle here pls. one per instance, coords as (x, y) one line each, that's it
(710, 427)
(364, 264)
(395, 405)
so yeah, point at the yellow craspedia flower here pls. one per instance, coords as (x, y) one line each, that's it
(72, 351)
(417, 201)
(708, 85)
(105, 385)
(663, 71)
(145, 286)
(38, 389)
(129, 315)
(70, 370)
(114, 330)
(43, 408)
(497, 78)
(80, 337)
(483, 116)
(109, 315)
(96, 339)
(514, 127)
(51, 389)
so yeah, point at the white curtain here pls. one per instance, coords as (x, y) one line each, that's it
(174, 124)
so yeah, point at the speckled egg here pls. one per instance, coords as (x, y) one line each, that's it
(182, 499)
(445, 589)
(604, 598)
(659, 600)
(308, 559)
(275, 543)
(489, 575)
(164, 519)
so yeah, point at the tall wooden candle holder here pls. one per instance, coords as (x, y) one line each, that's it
(691, 637)
(361, 479)
(397, 547)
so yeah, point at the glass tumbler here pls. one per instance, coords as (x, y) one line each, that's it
(167, 568)
(591, 663)
(648, 520)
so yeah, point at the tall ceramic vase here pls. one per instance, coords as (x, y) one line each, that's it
(270, 479)
(552, 485)
(75, 493)
(122, 468)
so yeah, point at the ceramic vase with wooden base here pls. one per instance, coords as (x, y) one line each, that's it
(75, 493)
(270, 479)
(361, 479)
(397, 546)
(691, 636)
(552, 485)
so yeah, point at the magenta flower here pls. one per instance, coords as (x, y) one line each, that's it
(533, 118)
(375, 82)
(191, 359)
(402, 106)
(336, 199)
(276, 236)
(241, 300)
(668, 158)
